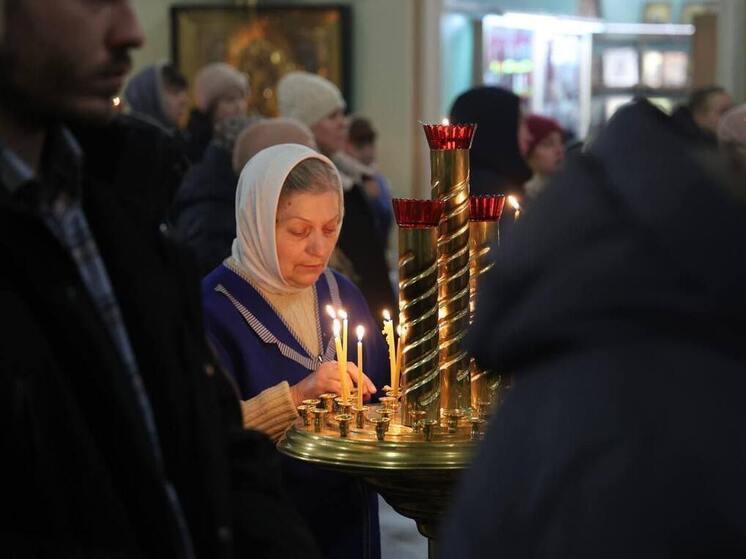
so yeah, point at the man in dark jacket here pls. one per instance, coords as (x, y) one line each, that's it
(118, 436)
(624, 324)
(700, 116)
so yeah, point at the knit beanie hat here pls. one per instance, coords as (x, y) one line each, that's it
(540, 127)
(308, 97)
(267, 133)
(732, 126)
(216, 80)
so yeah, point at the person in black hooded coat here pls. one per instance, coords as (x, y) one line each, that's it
(621, 310)
(500, 142)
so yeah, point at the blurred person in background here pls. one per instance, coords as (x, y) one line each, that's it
(120, 436)
(361, 146)
(220, 91)
(319, 104)
(205, 208)
(158, 92)
(497, 157)
(621, 315)
(195, 216)
(700, 117)
(545, 154)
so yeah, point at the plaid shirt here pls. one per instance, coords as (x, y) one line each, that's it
(56, 199)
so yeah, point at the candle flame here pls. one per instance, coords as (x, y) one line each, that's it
(398, 330)
(116, 101)
(360, 331)
(445, 122)
(342, 314)
(336, 328)
(513, 201)
(386, 315)
(330, 311)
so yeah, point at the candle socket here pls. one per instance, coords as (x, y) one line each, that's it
(388, 402)
(476, 427)
(319, 419)
(303, 412)
(452, 419)
(328, 401)
(416, 418)
(381, 425)
(386, 414)
(428, 428)
(343, 420)
(359, 416)
(311, 403)
(343, 406)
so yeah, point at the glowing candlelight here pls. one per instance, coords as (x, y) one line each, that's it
(341, 361)
(445, 122)
(116, 101)
(331, 312)
(360, 331)
(388, 332)
(402, 333)
(513, 201)
(343, 316)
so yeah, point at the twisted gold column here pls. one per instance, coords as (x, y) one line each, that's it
(449, 160)
(485, 212)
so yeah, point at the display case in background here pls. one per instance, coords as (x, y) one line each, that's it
(545, 60)
(639, 60)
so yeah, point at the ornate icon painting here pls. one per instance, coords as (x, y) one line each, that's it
(265, 43)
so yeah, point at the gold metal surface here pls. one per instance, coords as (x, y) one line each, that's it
(418, 312)
(450, 184)
(482, 235)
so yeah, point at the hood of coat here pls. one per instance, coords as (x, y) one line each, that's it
(638, 239)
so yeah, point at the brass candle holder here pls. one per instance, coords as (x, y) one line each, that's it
(305, 415)
(418, 305)
(327, 400)
(343, 406)
(484, 220)
(359, 414)
(449, 163)
(319, 419)
(343, 421)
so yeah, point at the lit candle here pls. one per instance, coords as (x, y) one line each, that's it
(360, 330)
(331, 312)
(388, 331)
(402, 332)
(445, 122)
(341, 361)
(513, 201)
(343, 316)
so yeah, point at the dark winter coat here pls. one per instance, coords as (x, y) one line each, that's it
(77, 475)
(204, 212)
(620, 308)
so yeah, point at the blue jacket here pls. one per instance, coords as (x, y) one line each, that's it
(259, 351)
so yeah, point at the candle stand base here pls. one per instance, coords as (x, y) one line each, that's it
(414, 475)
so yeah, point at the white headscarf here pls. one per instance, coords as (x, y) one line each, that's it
(259, 187)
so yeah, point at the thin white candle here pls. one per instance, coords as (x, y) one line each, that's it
(360, 330)
(341, 361)
(343, 316)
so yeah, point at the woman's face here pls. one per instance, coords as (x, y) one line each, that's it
(331, 132)
(232, 103)
(548, 155)
(306, 231)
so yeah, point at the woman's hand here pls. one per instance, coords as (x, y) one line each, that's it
(326, 379)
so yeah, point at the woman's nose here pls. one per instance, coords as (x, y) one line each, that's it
(315, 244)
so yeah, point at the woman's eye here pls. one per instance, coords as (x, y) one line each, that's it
(301, 233)
(330, 232)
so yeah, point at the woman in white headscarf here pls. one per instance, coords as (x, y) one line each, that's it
(265, 317)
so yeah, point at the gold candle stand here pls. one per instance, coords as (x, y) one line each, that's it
(418, 307)
(484, 220)
(449, 162)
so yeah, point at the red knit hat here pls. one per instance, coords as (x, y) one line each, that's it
(540, 127)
